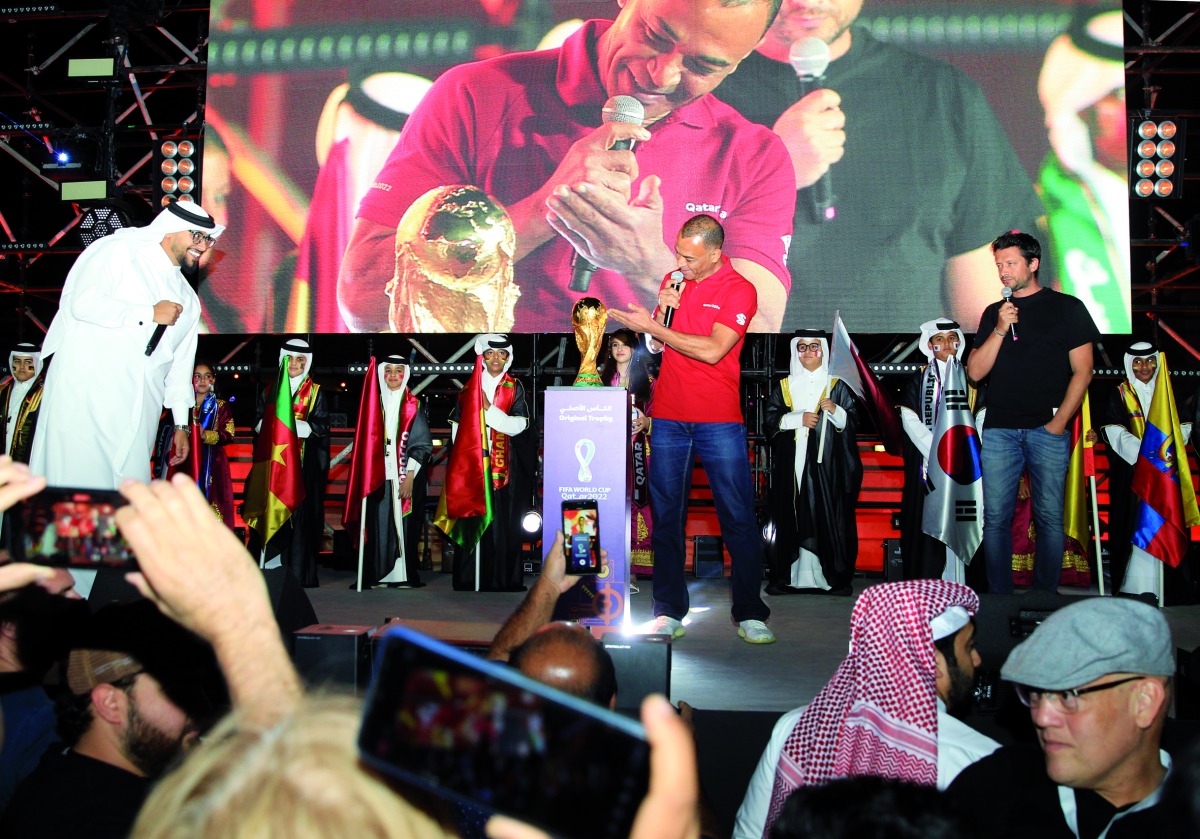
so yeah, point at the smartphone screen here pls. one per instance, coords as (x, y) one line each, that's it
(581, 530)
(73, 528)
(481, 732)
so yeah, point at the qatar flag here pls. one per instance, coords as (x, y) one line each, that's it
(954, 506)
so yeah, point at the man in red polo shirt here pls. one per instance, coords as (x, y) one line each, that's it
(526, 129)
(697, 410)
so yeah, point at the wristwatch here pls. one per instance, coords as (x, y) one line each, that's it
(181, 428)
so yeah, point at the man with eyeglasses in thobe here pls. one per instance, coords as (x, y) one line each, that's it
(1096, 676)
(123, 342)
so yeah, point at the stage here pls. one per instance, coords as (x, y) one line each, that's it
(712, 668)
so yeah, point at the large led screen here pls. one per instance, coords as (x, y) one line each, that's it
(337, 131)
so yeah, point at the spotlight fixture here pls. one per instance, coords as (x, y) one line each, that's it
(1157, 156)
(100, 221)
(531, 522)
(179, 171)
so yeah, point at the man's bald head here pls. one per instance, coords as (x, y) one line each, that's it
(567, 657)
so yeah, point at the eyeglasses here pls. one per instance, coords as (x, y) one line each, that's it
(813, 347)
(1066, 700)
(198, 237)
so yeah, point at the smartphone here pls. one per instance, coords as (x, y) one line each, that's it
(581, 531)
(73, 528)
(482, 733)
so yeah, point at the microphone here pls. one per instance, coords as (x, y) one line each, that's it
(676, 282)
(1006, 293)
(809, 57)
(152, 344)
(625, 109)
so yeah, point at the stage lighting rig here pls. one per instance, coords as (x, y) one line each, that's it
(102, 220)
(1157, 155)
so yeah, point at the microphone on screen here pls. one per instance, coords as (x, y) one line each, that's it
(624, 109)
(809, 57)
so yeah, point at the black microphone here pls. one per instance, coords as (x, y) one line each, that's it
(1006, 293)
(624, 109)
(669, 314)
(152, 344)
(809, 57)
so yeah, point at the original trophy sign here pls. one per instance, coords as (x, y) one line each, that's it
(589, 317)
(455, 250)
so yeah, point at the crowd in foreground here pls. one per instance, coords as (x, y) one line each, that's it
(145, 747)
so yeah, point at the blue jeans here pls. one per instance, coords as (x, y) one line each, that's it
(722, 449)
(1007, 452)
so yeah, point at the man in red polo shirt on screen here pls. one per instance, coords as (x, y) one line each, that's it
(527, 130)
(697, 410)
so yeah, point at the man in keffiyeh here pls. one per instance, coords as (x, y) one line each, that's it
(126, 298)
(925, 557)
(886, 711)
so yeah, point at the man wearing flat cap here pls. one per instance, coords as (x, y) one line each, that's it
(126, 301)
(1096, 676)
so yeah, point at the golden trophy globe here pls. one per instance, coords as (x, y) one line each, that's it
(589, 317)
(455, 250)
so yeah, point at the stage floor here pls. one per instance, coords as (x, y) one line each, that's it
(712, 668)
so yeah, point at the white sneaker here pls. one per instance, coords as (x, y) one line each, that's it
(755, 632)
(666, 625)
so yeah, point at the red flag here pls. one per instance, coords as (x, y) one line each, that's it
(845, 363)
(466, 473)
(366, 461)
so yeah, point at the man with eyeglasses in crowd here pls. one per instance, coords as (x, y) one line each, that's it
(126, 300)
(1096, 676)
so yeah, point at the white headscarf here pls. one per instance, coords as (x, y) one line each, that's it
(297, 346)
(385, 393)
(801, 378)
(178, 217)
(1145, 392)
(26, 351)
(933, 327)
(494, 341)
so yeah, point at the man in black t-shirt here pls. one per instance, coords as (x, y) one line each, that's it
(1038, 371)
(902, 216)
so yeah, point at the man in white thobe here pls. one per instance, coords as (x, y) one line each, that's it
(126, 301)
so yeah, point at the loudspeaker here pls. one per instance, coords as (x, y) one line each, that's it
(643, 665)
(334, 654)
(893, 562)
(293, 609)
(708, 557)
(1004, 620)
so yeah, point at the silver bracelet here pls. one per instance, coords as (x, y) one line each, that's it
(994, 332)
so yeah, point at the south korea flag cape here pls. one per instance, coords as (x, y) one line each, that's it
(954, 507)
